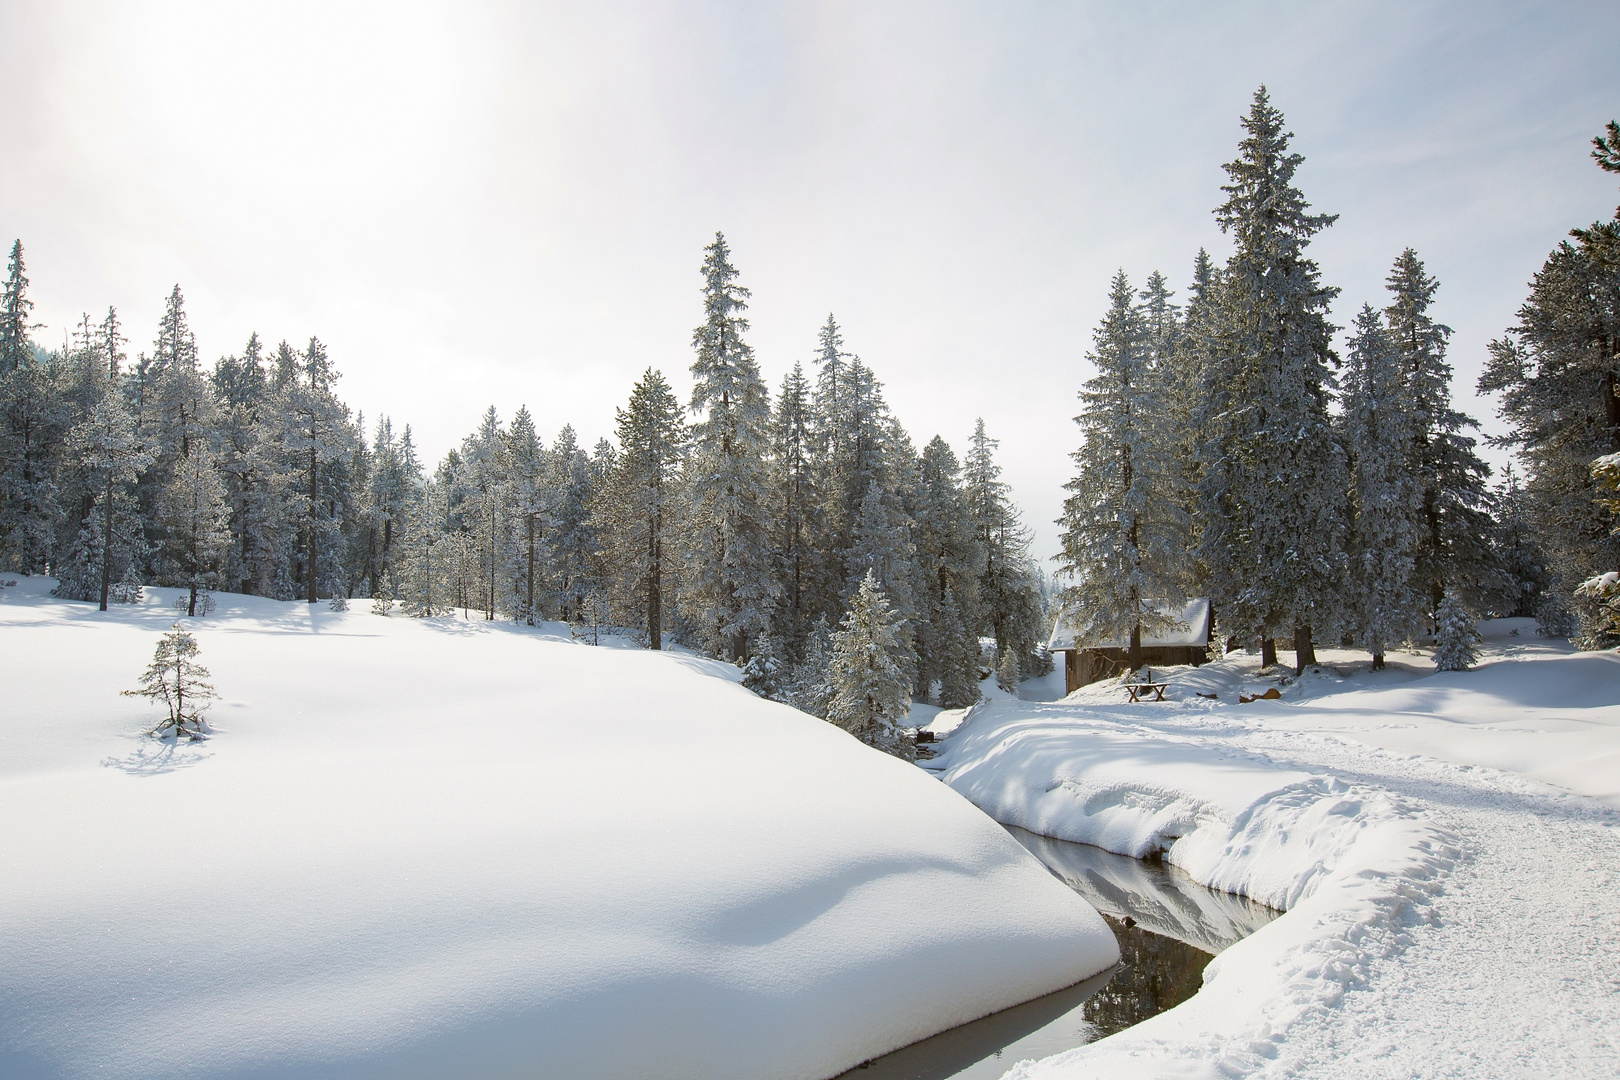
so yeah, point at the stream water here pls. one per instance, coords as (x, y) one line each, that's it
(1168, 925)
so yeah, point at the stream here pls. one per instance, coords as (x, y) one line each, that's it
(1169, 927)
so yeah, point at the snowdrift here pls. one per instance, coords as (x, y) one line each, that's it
(452, 848)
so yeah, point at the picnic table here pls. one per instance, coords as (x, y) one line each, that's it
(1138, 690)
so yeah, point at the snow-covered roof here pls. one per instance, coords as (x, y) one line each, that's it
(1069, 631)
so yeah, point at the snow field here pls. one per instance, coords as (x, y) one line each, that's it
(1431, 931)
(457, 848)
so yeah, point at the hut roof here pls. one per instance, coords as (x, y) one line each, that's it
(1070, 632)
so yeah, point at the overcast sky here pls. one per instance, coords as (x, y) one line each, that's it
(477, 204)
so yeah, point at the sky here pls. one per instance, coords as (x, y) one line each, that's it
(481, 203)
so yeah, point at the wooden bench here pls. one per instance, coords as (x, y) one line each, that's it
(1139, 690)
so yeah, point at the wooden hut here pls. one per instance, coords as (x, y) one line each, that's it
(1087, 659)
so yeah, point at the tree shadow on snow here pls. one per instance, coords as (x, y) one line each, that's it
(154, 757)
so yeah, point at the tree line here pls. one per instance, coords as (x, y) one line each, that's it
(1230, 450)
(740, 524)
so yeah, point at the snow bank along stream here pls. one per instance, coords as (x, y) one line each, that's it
(1168, 926)
(452, 848)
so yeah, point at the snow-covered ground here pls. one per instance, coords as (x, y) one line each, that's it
(1447, 847)
(457, 848)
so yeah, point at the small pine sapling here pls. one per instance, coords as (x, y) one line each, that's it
(383, 602)
(129, 589)
(176, 679)
(1456, 637)
(339, 602)
(202, 605)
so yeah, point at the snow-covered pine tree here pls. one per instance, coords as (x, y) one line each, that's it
(1010, 603)
(574, 543)
(316, 440)
(111, 538)
(256, 479)
(807, 688)
(636, 516)
(423, 570)
(193, 517)
(16, 350)
(1518, 551)
(33, 420)
(526, 504)
(766, 673)
(1381, 422)
(870, 695)
(1007, 677)
(950, 562)
(731, 587)
(1558, 372)
(881, 547)
(1456, 637)
(479, 491)
(180, 683)
(1454, 553)
(794, 500)
(1124, 534)
(1273, 497)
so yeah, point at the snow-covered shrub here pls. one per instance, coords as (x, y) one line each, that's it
(1553, 617)
(339, 602)
(205, 602)
(176, 679)
(128, 589)
(765, 673)
(1456, 637)
(382, 604)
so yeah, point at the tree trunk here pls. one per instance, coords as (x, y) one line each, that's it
(528, 601)
(1378, 660)
(191, 602)
(1134, 656)
(655, 592)
(1304, 649)
(1268, 652)
(309, 591)
(106, 542)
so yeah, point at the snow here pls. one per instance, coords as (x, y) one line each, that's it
(1450, 911)
(451, 847)
(1190, 627)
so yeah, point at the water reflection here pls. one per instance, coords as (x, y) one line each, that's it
(1169, 927)
(1157, 896)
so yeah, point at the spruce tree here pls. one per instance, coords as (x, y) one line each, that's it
(869, 691)
(1519, 551)
(1456, 637)
(638, 509)
(793, 506)
(193, 516)
(107, 447)
(1010, 603)
(526, 510)
(1381, 421)
(316, 440)
(16, 350)
(1453, 552)
(1558, 373)
(1273, 495)
(731, 588)
(950, 562)
(574, 540)
(1124, 536)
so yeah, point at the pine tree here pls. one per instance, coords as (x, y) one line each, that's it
(793, 505)
(950, 562)
(1273, 495)
(1453, 552)
(16, 350)
(526, 512)
(1381, 422)
(176, 679)
(574, 541)
(1456, 637)
(107, 447)
(1519, 552)
(869, 691)
(315, 440)
(193, 516)
(1010, 603)
(638, 510)
(1124, 537)
(1558, 372)
(731, 588)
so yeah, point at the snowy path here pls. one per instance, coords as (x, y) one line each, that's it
(1518, 971)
